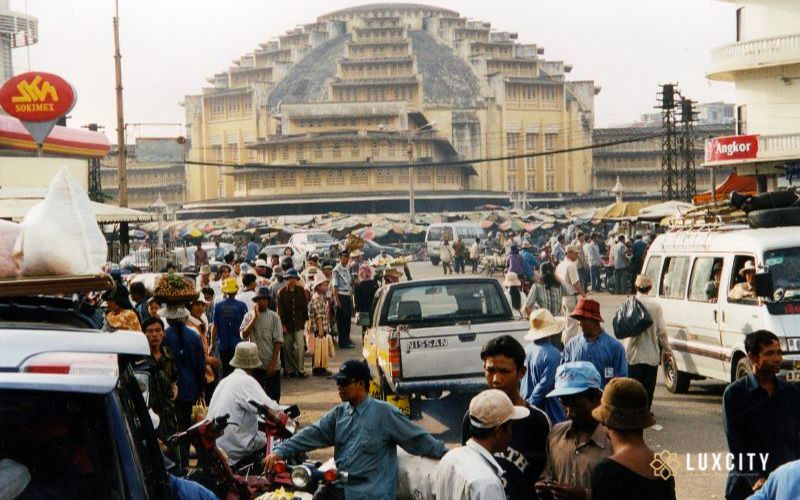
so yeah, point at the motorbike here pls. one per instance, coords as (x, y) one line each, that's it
(314, 480)
(277, 426)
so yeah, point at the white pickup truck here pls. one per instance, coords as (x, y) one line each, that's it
(425, 337)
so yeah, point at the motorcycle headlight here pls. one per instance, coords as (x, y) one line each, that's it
(301, 476)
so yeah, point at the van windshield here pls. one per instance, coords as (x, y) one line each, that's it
(784, 266)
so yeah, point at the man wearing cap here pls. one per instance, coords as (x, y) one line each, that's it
(248, 291)
(574, 447)
(644, 351)
(529, 262)
(365, 434)
(541, 362)
(293, 310)
(263, 327)
(232, 397)
(472, 472)
(228, 316)
(343, 300)
(744, 290)
(596, 346)
(319, 324)
(523, 461)
(262, 270)
(567, 272)
(203, 277)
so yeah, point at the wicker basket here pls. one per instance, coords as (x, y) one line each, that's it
(182, 290)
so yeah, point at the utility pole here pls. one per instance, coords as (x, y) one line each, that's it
(688, 171)
(669, 180)
(411, 177)
(121, 153)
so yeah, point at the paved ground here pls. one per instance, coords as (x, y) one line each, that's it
(692, 423)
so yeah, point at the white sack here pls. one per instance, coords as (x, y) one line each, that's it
(9, 234)
(60, 235)
(415, 476)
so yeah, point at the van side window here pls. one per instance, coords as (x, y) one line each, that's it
(435, 234)
(674, 277)
(704, 285)
(740, 289)
(652, 269)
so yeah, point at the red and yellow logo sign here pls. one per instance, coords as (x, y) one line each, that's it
(37, 97)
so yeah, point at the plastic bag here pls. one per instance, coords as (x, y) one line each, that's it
(631, 319)
(199, 410)
(60, 235)
(9, 263)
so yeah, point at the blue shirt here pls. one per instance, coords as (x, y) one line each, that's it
(783, 484)
(184, 489)
(528, 263)
(342, 280)
(228, 317)
(190, 361)
(541, 361)
(365, 439)
(558, 252)
(638, 249)
(606, 354)
(252, 251)
(756, 422)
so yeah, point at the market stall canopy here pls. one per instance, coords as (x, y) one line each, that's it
(742, 184)
(672, 208)
(15, 203)
(62, 141)
(620, 210)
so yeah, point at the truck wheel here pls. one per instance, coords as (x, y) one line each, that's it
(434, 261)
(742, 369)
(774, 217)
(676, 381)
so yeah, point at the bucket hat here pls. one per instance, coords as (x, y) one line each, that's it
(544, 325)
(511, 279)
(246, 356)
(263, 292)
(230, 286)
(319, 279)
(587, 309)
(748, 266)
(575, 377)
(492, 408)
(624, 406)
(291, 274)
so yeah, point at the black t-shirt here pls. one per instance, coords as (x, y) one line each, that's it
(526, 456)
(613, 481)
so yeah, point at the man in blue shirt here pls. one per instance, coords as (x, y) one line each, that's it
(529, 263)
(605, 352)
(761, 415)
(252, 250)
(783, 484)
(228, 316)
(541, 362)
(365, 434)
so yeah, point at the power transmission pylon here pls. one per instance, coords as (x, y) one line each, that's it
(669, 157)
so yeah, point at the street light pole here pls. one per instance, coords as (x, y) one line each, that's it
(411, 178)
(122, 173)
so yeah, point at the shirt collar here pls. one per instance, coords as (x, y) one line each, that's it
(360, 409)
(752, 383)
(599, 437)
(484, 453)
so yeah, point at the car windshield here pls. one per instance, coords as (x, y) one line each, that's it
(467, 301)
(784, 266)
(64, 441)
(320, 238)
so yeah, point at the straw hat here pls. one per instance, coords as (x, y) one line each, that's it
(544, 325)
(246, 356)
(230, 286)
(624, 406)
(319, 279)
(393, 273)
(511, 279)
(749, 266)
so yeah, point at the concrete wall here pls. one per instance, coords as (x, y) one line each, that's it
(768, 18)
(38, 172)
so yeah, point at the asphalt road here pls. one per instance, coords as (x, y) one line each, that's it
(690, 423)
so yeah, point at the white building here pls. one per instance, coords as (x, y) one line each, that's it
(764, 64)
(16, 30)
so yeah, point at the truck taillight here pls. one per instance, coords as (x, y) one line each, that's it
(72, 363)
(394, 353)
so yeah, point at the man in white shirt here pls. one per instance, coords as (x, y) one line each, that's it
(567, 272)
(471, 472)
(232, 397)
(247, 293)
(594, 260)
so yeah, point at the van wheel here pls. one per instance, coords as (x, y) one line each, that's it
(676, 381)
(742, 369)
(774, 217)
(434, 261)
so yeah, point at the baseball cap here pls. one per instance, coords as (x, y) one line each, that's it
(493, 407)
(352, 369)
(575, 377)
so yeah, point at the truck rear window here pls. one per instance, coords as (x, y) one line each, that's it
(445, 302)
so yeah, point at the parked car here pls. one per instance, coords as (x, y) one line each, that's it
(693, 272)
(424, 337)
(309, 242)
(451, 231)
(71, 406)
(297, 258)
(372, 249)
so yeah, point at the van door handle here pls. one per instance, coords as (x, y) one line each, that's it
(466, 337)
(715, 316)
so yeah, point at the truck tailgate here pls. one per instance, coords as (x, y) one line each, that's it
(451, 351)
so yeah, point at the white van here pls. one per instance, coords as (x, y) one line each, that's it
(693, 271)
(451, 231)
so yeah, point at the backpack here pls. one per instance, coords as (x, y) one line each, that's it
(631, 319)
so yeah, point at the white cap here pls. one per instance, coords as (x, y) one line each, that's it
(492, 408)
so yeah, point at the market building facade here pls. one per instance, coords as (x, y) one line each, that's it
(337, 109)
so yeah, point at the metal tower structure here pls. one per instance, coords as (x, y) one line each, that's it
(669, 155)
(688, 174)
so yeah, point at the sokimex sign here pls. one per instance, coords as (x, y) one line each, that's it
(732, 148)
(38, 100)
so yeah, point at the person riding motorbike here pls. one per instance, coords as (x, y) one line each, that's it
(232, 397)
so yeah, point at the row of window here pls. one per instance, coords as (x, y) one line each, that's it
(378, 70)
(376, 93)
(703, 275)
(367, 51)
(361, 122)
(378, 149)
(546, 93)
(230, 106)
(526, 69)
(356, 177)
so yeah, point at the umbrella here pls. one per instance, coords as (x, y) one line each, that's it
(192, 232)
(138, 234)
(487, 224)
(512, 225)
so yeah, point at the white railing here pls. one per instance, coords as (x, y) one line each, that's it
(751, 54)
(779, 146)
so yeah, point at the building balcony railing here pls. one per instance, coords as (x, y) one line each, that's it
(779, 147)
(753, 54)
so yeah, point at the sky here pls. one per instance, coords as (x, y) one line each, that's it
(170, 47)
